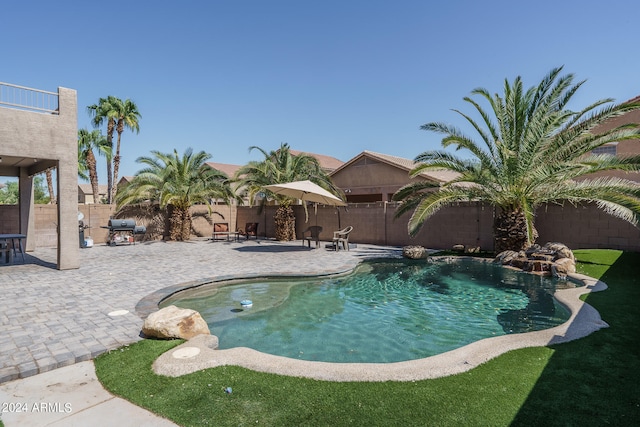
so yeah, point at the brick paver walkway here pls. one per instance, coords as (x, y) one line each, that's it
(51, 318)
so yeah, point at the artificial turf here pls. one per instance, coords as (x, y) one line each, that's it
(591, 381)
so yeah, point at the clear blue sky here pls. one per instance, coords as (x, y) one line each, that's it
(330, 77)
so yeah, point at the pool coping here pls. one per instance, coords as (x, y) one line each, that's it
(583, 321)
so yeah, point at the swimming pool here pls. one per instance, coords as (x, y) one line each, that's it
(385, 311)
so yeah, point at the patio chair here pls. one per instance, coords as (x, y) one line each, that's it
(313, 235)
(221, 229)
(250, 230)
(342, 238)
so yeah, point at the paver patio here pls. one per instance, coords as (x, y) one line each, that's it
(53, 318)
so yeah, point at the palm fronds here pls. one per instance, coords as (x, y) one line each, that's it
(533, 150)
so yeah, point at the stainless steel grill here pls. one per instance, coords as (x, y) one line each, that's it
(123, 231)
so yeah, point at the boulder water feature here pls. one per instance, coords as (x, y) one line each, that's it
(551, 259)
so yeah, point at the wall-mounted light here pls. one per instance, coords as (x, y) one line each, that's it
(0, 159)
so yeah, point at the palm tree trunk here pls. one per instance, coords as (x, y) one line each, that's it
(285, 222)
(116, 161)
(93, 175)
(179, 223)
(111, 125)
(510, 231)
(52, 196)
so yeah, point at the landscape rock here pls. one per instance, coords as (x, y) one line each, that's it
(552, 258)
(563, 266)
(415, 252)
(173, 322)
(560, 250)
(505, 257)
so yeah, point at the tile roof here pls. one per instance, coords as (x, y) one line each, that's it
(406, 164)
(326, 162)
(126, 179)
(229, 169)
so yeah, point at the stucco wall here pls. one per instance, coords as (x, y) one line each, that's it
(51, 140)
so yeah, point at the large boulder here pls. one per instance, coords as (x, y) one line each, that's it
(560, 250)
(174, 322)
(563, 266)
(415, 252)
(506, 257)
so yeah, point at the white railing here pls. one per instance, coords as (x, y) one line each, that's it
(26, 98)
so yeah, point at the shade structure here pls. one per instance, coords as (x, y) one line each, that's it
(306, 191)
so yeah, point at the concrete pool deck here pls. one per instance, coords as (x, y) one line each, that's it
(56, 319)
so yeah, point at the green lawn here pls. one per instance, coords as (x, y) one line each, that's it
(591, 381)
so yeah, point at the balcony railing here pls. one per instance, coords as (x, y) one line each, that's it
(25, 98)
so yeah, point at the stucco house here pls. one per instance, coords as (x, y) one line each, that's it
(622, 148)
(85, 194)
(327, 163)
(375, 177)
(38, 131)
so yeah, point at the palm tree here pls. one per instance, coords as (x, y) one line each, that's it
(82, 165)
(278, 167)
(49, 175)
(87, 143)
(127, 116)
(104, 111)
(533, 150)
(176, 183)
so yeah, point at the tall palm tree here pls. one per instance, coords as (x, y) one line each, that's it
(176, 183)
(83, 172)
(278, 167)
(127, 116)
(104, 111)
(532, 150)
(49, 175)
(87, 143)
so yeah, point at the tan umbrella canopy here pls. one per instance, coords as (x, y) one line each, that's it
(306, 191)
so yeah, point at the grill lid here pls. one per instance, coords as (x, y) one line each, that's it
(122, 224)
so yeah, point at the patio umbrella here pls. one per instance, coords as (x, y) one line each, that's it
(306, 191)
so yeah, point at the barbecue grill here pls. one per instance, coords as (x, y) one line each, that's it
(123, 231)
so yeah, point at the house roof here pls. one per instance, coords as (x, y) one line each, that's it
(227, 168)
(326, 162)
(402, 163)
(125, 179)
(87, 189)
(632, 100)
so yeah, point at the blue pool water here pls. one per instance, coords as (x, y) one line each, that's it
(385, 311)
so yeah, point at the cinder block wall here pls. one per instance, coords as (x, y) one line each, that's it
(585, 227)
(9, 219)
(469, 224)
(375, 223)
